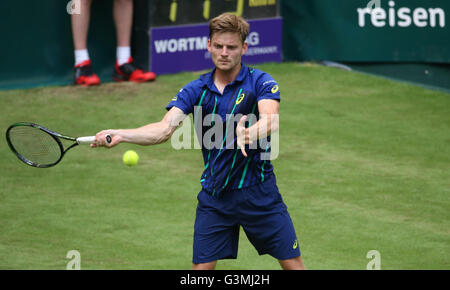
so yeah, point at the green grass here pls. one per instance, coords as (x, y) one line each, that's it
(364, 165)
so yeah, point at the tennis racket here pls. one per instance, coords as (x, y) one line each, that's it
(41, 147)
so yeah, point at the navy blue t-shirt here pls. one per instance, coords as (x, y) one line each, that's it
(225, 166)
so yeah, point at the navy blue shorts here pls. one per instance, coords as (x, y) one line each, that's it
(260, 211)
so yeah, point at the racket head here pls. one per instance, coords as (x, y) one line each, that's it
(35, 145)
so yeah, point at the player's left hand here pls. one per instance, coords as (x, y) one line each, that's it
(242, 135)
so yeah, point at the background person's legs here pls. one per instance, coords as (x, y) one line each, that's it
(80, 25)
(123, 20)
(125, 69)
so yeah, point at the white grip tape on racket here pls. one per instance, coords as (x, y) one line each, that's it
(91, 139)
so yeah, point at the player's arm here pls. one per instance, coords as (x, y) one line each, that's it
(268, 122)
(151, 134)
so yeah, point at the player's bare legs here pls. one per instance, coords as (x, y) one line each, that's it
(80, 25)
(123, 19)
(205, 266)
(292, 264)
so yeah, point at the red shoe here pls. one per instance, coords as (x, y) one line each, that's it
(130, 72)
(84, 75)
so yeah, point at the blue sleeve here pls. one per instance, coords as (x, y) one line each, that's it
(186, 98)
(267, 88)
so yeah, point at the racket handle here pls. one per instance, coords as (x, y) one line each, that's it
(91, 139)
(86, 140)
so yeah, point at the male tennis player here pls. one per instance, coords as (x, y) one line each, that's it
(238, 186)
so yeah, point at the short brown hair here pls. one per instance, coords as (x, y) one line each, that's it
(228, 22)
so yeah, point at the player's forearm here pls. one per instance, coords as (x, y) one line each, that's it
(151, 134)
(266, 125)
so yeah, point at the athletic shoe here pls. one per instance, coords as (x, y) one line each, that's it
(130, 72)
(84, 75)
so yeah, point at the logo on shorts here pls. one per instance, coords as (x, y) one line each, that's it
(295, 245)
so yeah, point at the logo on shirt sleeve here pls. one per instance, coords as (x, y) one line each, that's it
(275, 89)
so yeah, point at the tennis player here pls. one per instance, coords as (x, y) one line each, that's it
(238, 186)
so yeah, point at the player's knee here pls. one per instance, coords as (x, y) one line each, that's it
(204, 266)
(293, 264)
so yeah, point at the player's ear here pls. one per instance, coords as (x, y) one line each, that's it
(245, 48)
(209, 45)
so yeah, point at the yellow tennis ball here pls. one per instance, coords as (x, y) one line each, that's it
(130, 158)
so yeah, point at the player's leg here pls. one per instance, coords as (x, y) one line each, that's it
(216, 232)
(292, 264)
(204, 266)
(268, 225)
(275, 235)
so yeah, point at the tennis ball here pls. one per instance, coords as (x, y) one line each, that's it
(130, 158)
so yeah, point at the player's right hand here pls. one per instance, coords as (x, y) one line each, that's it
(102, 138)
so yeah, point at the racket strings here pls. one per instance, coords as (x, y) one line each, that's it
(35, 145)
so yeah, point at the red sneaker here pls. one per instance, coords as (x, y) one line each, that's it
(130, 72)
(84, 75)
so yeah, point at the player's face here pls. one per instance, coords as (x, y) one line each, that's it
(226, 50)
